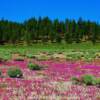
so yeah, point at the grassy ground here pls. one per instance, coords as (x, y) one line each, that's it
(52, 47)
(54, 81)
(7, 50)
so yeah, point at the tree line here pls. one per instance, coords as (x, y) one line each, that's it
(44, 30)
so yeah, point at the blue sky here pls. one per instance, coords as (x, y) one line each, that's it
(19, 10)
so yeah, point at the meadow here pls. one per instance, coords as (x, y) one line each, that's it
(50, 72)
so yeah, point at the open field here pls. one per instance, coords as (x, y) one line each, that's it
(53, 47)
(50, 72)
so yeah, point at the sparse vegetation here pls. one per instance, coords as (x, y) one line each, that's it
(15, 73)
(32, 66)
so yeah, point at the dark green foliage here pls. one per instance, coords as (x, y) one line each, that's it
(45, 30)
(68, 37)
(15, 73)
(58, 38)
(88, 79)
(32, 66)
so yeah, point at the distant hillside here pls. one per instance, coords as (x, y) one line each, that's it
(46, 30)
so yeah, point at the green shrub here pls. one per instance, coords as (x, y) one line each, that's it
(75, 80)
(32, 66)
(88, 79)
(15, 73)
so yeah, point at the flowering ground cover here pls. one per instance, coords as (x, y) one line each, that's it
(53, 82)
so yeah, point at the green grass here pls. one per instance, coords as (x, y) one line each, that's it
(35, 48)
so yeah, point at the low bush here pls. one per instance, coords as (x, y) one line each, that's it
(91, 80)
(15, 73)
(32, 66)
(88, 79)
